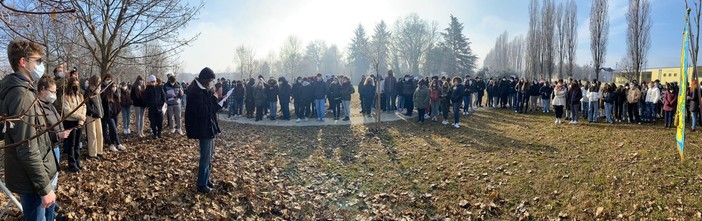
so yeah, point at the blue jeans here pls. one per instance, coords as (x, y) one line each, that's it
(285, 108)
(319, 107)
(347, 107)
(32, 209)
(592, 111)
(400, 102)
(390, 101)
(273, 108)
(608, 111)
(669, 118)
(546, 104)
(205, 165)
(140, 120)
(466, 103)
(650, 111)
(694, 116)
(456, 111)
(585, 108)
(126, 117)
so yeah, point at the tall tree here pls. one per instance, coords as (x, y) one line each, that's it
(377, 50)
(694, 34)
(312, 60)
(291, 56)
(245, 57)
(357, 58)
(547, 36)
(413, 37)
(534, 49)
(561, 38)
(109, 27)
(638, 41)
(599, 33)
(570, 24)
(461, 59)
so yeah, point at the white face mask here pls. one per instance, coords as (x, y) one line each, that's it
(51, 98)
(212, 84)
(61, 74)
(38, 71)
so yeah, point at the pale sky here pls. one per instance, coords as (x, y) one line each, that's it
(264, 25)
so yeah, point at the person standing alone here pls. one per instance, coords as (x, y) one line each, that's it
(201, 123)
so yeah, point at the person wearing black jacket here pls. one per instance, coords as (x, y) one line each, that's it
(272, 96)
(480, 89)
(534, 95)
(346, 91)
(284, 93)
(504, 92)
(408, 88)
(360, 93)
(249, 100)
(201, 123)
(401, 97)
(334, 96)
(319, 92)
(368, 91)
(545, 92)
(111, 108)
(299, 99)
(574, 96)
(155, 98)
(456, 94)
(137, 95)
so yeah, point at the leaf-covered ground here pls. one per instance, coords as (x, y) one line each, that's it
(498, 165)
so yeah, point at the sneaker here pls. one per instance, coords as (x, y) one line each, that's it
(180, 132)
(121, 147)
(113, 148)
(297, 121)
(445, 122)
(173, 130)
(306, 119)
(346, 119)
(456, 125)
(556, 121)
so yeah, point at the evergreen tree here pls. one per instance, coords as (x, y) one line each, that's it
(460, 58)
(379, 46)
(358, 57)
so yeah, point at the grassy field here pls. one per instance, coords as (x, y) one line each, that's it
(498, 166)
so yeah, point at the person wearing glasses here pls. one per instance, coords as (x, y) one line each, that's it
(30, 164)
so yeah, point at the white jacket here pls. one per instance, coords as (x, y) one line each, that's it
(593, 96)
(559, 97)
(584, 91)
(653, 95)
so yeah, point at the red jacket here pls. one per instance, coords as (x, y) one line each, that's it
(670, 100)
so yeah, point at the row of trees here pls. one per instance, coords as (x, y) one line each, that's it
(123, 38)
(412, 46)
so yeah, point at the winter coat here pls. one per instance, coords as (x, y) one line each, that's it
(239, 92)
(174, 92)
(408, 87)
(693, 99)
(334, 93)
(609, 97)
(390, 85)
(670, 100)
(346, 91)
(319, 90)
(272, 93)
(535, 90)
(154, 97)
(52, 117)
(93, 106)
(110, 103)
(435, 93)
(545, 92)
(137, 96)
(259, 95)
(593, 96)
(249, 93)
(559, 96)
(368, 90)
(421, 97)
(201, 113)
(125, 98)
(457, 93)
(633, 95)
(30, 166)
(480, 87)
(284, 92)
(584, 97)
(468, 88)
(575, 95)
(70, 103)
(653, 95)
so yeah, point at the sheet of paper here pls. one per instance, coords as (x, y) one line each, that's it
(221, 102)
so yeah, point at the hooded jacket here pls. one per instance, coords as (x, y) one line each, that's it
(30, 166)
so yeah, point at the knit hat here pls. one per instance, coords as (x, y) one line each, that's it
(152, 78)
(206, 73)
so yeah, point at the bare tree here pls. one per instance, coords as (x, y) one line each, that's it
(638, 41)
(377, 53)
(108, 27)
(561, 38)
(625, 69)
(245, 57)
(570, 24)
(599, 33)
(291, 55)
(534, 49)
(414, 36)
(547, 35)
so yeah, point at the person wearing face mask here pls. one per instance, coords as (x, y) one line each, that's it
(125, 101)
(137, 96)
(155, 98)
(94, 114)
(201, 123)
(111, 108)
(174, 92)
(319, 92)
(60, 79)
(73, 100)
(670, 101)
(30, 166)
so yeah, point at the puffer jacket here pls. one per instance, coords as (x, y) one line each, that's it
(421, 97)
